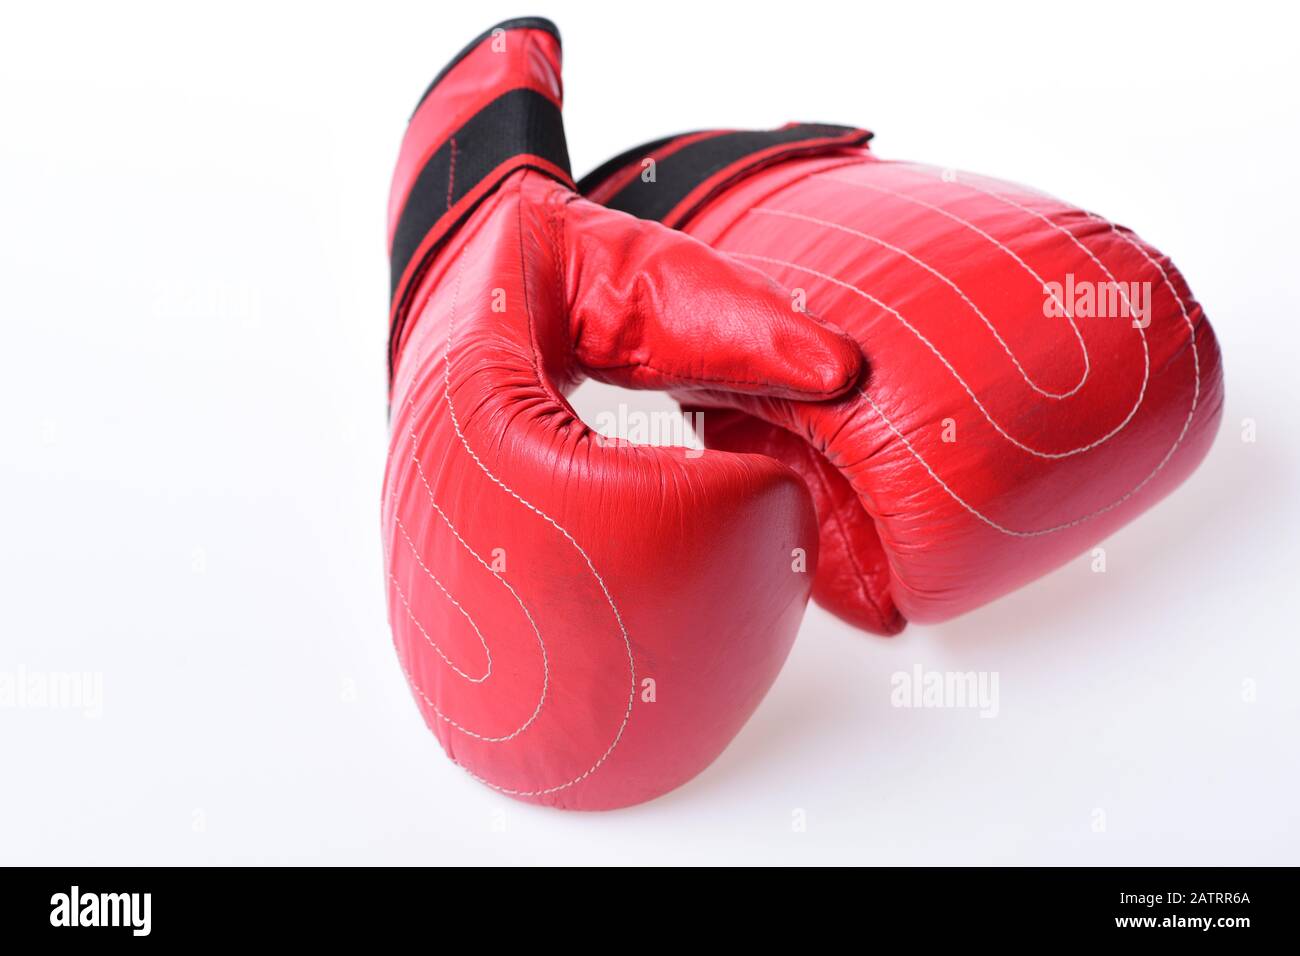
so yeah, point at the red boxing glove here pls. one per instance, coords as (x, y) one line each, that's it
(583, 623)
(1037, 378)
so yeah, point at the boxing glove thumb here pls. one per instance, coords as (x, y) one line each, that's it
(657, 309)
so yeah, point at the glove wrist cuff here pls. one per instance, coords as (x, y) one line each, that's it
(494, 109)
(690, 168)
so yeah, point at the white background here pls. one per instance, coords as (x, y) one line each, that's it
(193, 287)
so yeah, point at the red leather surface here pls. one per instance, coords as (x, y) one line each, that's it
(1064, 427)
(586, 623)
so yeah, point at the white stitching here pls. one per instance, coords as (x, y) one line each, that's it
(1182, 306)
(957, 498)
(1052, 455)
(468, 617)
(980, 232)
(546, 671)
(1146, 351)
(1063, 231)
(942, 278)
(1069, 207)
(590, 565)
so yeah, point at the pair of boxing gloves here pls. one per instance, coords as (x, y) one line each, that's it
(921, 390)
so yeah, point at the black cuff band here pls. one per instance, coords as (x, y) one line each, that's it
(519, 123)
(520, 128)
(720, 156)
